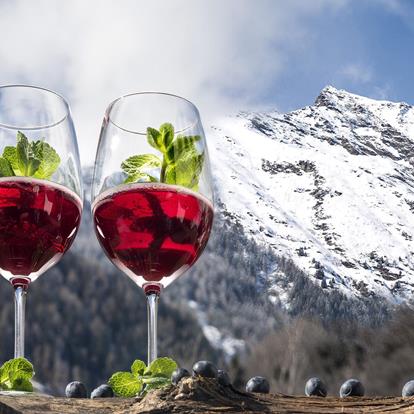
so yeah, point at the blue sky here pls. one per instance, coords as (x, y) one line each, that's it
(225, 55)
(367, 47)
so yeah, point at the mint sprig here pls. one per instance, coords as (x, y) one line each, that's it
(125, 384)
(142, 379)
(29, 159)
(181, 162)
(16, 374)
(136, 165)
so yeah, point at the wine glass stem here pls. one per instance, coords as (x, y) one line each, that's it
(152, 308)
(19, 320)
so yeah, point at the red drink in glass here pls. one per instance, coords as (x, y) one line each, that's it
(38, 223)
(153, 232)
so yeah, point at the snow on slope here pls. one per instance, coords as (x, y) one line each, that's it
(330, 186)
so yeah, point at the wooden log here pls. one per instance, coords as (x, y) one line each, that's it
(205, 396)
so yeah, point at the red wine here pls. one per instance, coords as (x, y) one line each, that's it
(152, 232)
(38, 223)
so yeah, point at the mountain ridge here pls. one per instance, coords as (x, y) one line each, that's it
(319, 181)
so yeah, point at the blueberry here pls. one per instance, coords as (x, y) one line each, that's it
(178, 375)
(408, 389)
(315, 387)
(223, 378)
(76, 389)
(352, 388)
(258, 384)
(103, 391)
(205, 369)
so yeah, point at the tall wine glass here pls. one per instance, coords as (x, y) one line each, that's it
(152, 193)
(40, 189)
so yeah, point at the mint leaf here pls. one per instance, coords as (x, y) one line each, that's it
(5, 168)
(185, 171)
(4, 372)
(125, 384)
(22, 149)
(161, 367)
(180, 146)
(22, 384)
(140, 178)
(154, 138)
(155, 380)
(27, 160)
(167, 135)
(157, 375)
(138, 367)
(138, 163)
(31, 159)
(181, 163)
(137, 168)
(49, 159)
(155, 383)
(161, 139)
(15, 374)
(20, 368)
(10, 154)
(32, 166)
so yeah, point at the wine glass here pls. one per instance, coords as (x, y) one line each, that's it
(152, 201)
(40, 189)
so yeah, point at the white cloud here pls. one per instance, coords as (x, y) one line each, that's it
(357, 73)
(362, 76)
(223, 55)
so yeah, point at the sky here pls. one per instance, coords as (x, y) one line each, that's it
(224, 55)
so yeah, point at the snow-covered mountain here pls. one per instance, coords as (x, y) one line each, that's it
(314, 216)
(330, 186)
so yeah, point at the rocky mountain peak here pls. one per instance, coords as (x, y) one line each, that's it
(330, 186)
(330, 96)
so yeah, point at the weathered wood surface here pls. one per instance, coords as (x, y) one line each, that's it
(204, 396)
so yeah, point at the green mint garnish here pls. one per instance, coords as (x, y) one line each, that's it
(138, 367)
(136, 165)
(181, 162)
(16, 374)
(29, 159)
(142, 379)
(161, 367)
(154, 383)
(125, 384)
(6, 169)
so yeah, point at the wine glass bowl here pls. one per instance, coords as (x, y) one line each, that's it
(150, 229)
(152, 232)
(152, 198)
(40, 188)
(38, 223)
